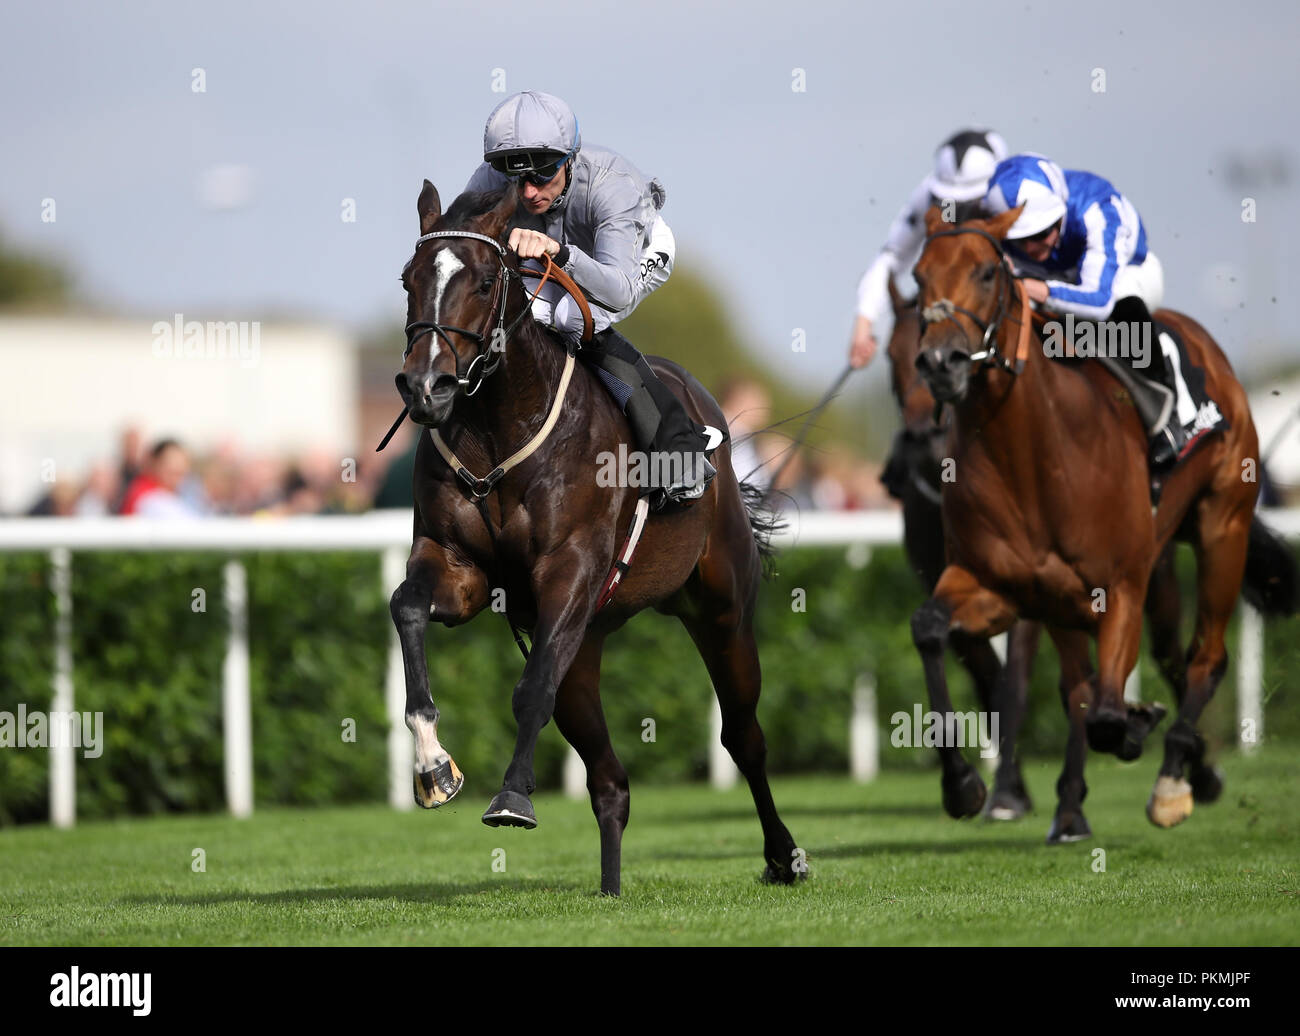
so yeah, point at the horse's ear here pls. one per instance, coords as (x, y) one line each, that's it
(494, 222)
(1000, 224)
(934, 221)
(430, 207)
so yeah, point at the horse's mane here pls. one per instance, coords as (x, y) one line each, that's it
(471, 205)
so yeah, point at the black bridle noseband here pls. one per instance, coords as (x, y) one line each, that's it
(491, 344)
(945, 309)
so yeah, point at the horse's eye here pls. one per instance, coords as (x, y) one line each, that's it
(486, 285)
(988, 272)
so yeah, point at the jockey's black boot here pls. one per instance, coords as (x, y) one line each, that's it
(659, 422)
(1165, 443)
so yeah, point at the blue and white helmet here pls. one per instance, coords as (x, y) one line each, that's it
(1031, 180)
(963, 164)
(528, 131)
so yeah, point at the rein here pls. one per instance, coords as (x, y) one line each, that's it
(944, 309)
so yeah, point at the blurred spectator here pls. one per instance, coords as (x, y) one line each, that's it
(101, 491)
(60, 501)
(155, 492)
(131, 463)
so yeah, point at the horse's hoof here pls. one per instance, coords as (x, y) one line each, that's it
(1107, 730)
(1068, 827)
(510, 809)
(1207, 784)
(1170, 802)
(963, 797)
(781, 875)
(1009, 804)
(1142, 719)
(435, 787)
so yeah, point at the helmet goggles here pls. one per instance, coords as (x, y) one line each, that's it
(535, 167)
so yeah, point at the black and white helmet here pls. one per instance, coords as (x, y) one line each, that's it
(963, 164)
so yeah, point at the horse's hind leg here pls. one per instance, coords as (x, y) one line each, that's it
(731, 656)
(1164, 608)
(1224, 533)
(581, 720)
(1164, 618)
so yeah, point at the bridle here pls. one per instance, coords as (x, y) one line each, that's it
(491, 344)
(945, 309)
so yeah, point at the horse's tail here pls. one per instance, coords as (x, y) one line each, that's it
(763, 522)
(1272, 583)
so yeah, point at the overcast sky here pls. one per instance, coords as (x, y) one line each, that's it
(780, 197)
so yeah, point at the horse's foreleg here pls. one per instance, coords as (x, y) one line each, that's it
(581, 720)
(437, 777)
(961, 603)
(565, 588)
(1113, 725)
(1069, 824)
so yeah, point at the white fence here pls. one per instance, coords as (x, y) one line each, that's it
(389, 534)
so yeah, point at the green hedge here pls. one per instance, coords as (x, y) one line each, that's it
(319, 635)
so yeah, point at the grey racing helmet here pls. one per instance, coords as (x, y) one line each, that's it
(531, 133)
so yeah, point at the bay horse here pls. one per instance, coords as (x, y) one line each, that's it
(914, 476)
(1049, 517)
(543, 533)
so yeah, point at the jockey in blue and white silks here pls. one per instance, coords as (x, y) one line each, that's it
(1089, 244)
(1099, 237)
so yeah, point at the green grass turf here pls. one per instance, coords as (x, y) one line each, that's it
(886, 868)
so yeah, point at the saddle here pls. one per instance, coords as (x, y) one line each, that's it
(1178, 391)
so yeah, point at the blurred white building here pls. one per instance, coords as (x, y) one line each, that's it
(69, 386)
(1276, 411)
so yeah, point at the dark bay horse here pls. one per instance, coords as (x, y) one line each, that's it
(1050, 518)
(545, 533)
(914, 476)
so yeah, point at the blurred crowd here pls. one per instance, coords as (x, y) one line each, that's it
(165, 478)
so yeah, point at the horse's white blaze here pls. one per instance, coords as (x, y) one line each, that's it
(428, 751)
(445, 267)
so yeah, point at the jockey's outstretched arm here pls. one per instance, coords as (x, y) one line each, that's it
(901, 249)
